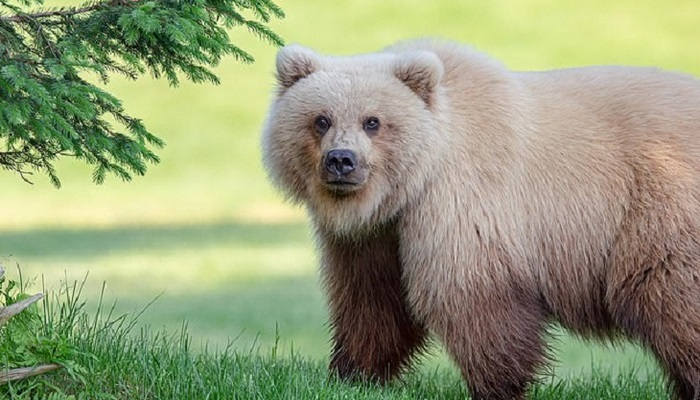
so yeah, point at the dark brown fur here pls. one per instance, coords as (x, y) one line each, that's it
(374, 335)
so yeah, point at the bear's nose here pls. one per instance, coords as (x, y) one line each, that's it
(341, 162)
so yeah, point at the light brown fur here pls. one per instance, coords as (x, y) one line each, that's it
(491, 202)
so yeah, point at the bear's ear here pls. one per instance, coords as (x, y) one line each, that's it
(421, 72)
(295, 62)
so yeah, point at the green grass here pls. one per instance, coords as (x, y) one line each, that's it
(155, 366)
(205, 231)
(108, 356)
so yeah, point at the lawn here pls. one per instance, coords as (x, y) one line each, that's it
(205, 233)
(113, 358)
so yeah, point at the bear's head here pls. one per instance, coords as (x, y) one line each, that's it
(350, 137)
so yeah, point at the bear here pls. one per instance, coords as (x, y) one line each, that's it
(455, 199)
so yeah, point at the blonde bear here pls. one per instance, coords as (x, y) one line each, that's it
(454, 198)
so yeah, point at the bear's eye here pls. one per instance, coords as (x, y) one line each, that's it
(371, 125)
(322, 124)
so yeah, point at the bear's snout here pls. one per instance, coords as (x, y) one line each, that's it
(343, 171)
(340, 162)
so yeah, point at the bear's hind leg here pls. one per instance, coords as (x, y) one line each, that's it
(660, 306)
(374, 334)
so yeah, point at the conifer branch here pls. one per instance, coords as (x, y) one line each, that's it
(47, 110)
(64, 12)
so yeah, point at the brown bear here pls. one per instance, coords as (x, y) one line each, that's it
(455, 198)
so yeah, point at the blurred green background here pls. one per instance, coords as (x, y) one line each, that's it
(205, 230)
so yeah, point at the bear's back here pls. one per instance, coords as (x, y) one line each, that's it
(608, 113)
(641, 106)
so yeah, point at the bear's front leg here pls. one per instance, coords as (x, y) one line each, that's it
(495, 334)
(374, 334)
(481, 303)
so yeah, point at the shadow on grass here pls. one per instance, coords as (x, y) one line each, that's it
(248, 314)
(93, 242)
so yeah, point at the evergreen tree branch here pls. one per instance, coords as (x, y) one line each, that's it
(48, 111)
(64, 12)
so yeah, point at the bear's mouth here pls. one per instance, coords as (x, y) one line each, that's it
(342, 187)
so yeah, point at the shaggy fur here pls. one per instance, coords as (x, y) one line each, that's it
(488, 203)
